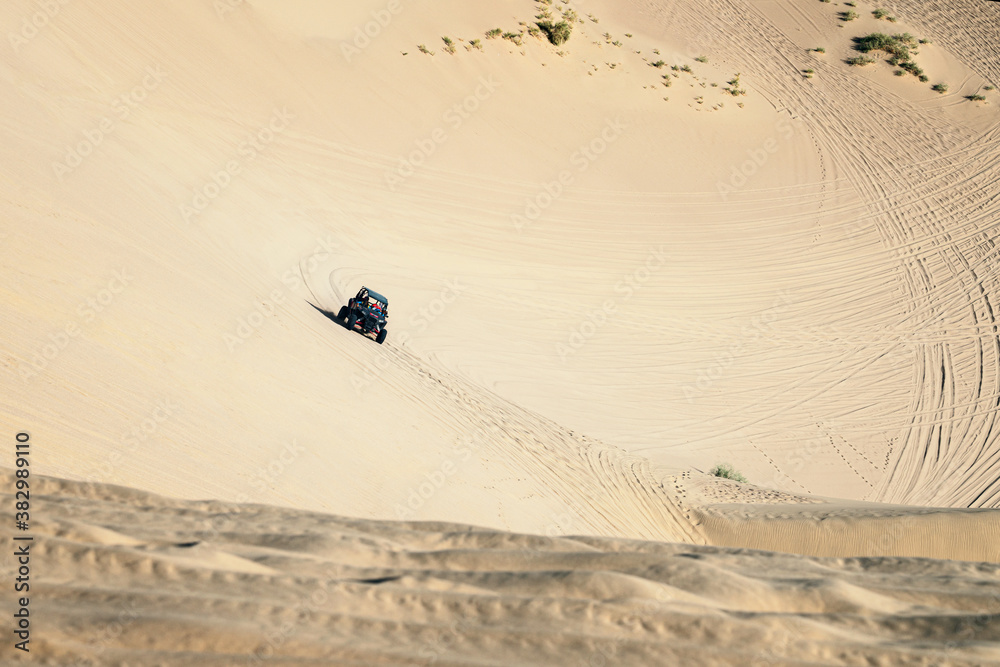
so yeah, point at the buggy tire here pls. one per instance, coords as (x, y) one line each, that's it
(343, 313)
(351, 321)
(381, 336)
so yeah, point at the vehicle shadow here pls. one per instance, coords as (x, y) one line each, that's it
(329, 315)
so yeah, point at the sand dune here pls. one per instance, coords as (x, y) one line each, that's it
(182, 582)
(691, 234)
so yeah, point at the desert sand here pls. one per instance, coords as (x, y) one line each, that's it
(691, 234)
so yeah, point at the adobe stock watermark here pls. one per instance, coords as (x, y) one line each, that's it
(444, 641)
(724, 360)
(225, 7)
(757, 157)
(88, 311)
(420, 321)
(580, 160)
(130, 442)
(249, 150)
(110, 632)
(265, 477)
(32, 25)
(302, 611)
(598, 318)
(802, 456)
(121, 108)
(417, 496)
(454, 117)
(364, 34)
(265, 308)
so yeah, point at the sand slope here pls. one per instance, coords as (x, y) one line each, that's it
(126, 577)
(606, 274)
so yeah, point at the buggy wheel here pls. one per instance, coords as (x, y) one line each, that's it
(343, 313)
(351, 321)
(381, 337)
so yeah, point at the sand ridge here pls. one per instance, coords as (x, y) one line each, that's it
(182, 581)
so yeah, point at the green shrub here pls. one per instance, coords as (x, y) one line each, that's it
(658, 63)
(976, 98)
(897, 46)
(702, 59)
(819, 49)
(424, 49)
(449, 45)
(734, 86)
(727, 471)
(556, 32)
(493, 34)
(940, 87)
(513, 37)
(849, 15)
(860, 60)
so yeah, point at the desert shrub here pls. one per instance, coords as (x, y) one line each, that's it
(880, 13)
(819, 49)
(897, 46)
(987, 87)
(702, 59)
(860, 61)
(449, 45)
(556, 32)
(424, 49)
(976, 98)
(493, 34)
(734, 87)
(940, 87)
(476, 44)
(849, 15)
(727, 471)
(513, 37)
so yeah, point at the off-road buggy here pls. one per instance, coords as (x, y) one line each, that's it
(367, 312)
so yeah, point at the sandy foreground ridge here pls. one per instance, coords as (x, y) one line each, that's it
(692, 233)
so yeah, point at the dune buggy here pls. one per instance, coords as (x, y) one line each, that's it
(367, 312)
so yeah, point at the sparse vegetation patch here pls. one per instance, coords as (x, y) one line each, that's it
(734, 86)
(727, 471)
